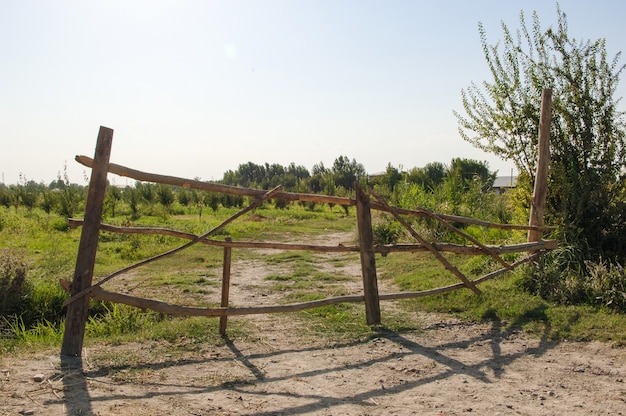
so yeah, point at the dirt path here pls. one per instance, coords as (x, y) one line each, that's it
(448, 369)
(445, 368)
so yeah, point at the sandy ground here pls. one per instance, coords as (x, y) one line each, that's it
(449, 368)
(445, 368)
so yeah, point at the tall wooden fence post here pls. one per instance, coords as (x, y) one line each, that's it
(77, 311)
(368, 261)
(225, 285)
(538, 201)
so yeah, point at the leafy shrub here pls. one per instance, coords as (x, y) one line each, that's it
(117, 320)
(281, 203)
(19, 297)
(561, 276)
(387, 232)
(607, 284)
(59, 224)
(13, 286)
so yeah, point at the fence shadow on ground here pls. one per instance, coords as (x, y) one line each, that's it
(258, 382)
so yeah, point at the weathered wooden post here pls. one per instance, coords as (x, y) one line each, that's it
(368, 261)
(538, 201)
(225, 285)
(77, 311)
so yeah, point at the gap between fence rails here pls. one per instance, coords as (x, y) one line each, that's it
(452, 268)
(254, 204)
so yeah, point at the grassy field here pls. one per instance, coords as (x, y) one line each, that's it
(192, 276)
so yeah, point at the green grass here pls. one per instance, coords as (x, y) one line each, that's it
(502, 300)
(194, 275)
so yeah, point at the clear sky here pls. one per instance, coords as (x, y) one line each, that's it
(194, 88)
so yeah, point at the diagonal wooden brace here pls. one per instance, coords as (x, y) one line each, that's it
(468, 283)
(451, 227)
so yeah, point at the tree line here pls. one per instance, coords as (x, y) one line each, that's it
(67, 199)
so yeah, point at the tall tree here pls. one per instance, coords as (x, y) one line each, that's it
(429, 176)
(587, 133)
(467, 171)
(346, 172)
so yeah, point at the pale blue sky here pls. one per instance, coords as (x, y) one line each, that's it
(194, 88)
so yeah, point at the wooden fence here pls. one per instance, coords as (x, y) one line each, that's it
(82, 289)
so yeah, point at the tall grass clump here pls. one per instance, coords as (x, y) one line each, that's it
(117, 320)
(28, 308)
(13, 286)
(386, 231)
(561, 276)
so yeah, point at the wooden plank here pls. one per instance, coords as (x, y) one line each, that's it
(368, 261)
(77, 312)
(225, 285)
(177, 310)
(538, 201)
(379, 249)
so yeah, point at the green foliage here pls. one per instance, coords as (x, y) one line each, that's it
(388, 180)
(117, 320)
(70, 195)
(27, 192)
(281, 203)
(165, 195)
(49, 201)
(387, 231)
(588, 152)
(5, 196)
(466, 172)
(41, 333)
(267, 176)
(112, 197)
(59, 224)
(13, 286)
(27, 304)
(559, 279)
(506, 302)
(346, 172)
(428, 177)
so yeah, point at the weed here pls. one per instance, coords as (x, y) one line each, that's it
(387, 231)
(13, 286)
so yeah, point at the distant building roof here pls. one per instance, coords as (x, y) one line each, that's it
(504, 182)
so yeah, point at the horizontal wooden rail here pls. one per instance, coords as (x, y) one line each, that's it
(292, 196)
(380, 249)
(163, 307)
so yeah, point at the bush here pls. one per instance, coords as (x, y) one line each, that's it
(561, 276)
(281, 203)
(607, 284)
(387, 232)
(60, 224)
(13, 286)
(20, 298)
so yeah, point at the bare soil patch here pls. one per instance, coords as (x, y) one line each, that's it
(445, 368)
(449, 368)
